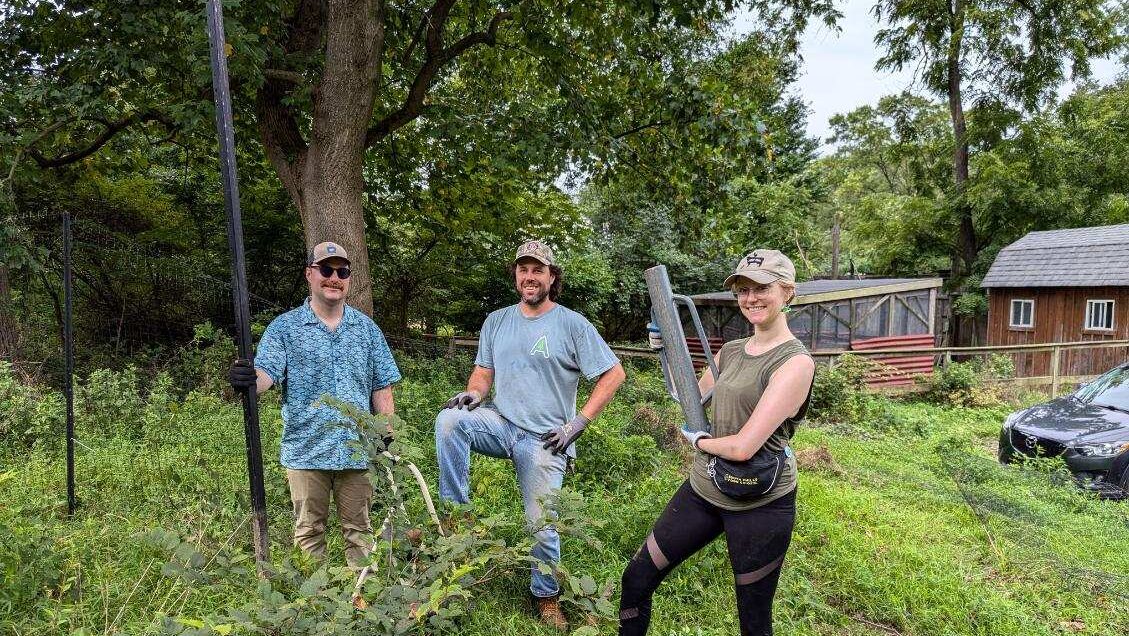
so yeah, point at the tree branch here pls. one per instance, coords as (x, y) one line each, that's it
(286, 76)
(436, 57)
(640, 128)
(111, 129)
(278, 125)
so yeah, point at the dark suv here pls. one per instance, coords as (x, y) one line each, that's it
(1087, 428)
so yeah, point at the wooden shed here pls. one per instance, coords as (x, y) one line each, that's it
(830, 314)
(1062, 286)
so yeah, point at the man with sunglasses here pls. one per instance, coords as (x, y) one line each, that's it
(324, 347)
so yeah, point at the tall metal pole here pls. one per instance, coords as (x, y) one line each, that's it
(225, 130)
(68, 355)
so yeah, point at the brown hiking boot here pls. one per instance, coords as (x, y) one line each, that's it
(549, 610)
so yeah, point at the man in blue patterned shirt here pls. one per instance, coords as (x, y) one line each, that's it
(324, 348)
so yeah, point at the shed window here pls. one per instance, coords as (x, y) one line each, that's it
(1022, 313)
(1099, 315)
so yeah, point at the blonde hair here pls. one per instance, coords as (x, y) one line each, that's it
(790, 288)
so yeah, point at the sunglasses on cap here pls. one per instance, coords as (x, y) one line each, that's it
(326, 271)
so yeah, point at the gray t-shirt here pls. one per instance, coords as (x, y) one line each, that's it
(538, 362)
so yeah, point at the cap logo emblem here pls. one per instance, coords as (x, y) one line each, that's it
(331, 249)
(754, 261)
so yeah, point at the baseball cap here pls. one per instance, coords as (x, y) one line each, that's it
(764, 267)
(535, 250)
(325, 251)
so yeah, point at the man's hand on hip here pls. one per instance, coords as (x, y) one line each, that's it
(561, 437)
(242, 375)
(464, 399)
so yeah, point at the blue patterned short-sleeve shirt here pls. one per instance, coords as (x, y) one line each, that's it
(308, 361)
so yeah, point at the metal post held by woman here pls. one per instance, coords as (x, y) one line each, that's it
(68, 355)
(677, 363)
(224, 128)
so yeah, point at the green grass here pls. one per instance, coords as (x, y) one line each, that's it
(912, 528)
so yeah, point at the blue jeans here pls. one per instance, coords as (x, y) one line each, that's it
(539, 472)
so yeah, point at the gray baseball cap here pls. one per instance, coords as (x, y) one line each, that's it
(764, 267)
(325, 251)
(535, 250)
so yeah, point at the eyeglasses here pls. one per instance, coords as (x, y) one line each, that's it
(326, 271)
(760, 290)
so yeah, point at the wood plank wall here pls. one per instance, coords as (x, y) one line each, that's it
(1060, 314)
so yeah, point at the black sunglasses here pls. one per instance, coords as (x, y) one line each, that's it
(343, 272)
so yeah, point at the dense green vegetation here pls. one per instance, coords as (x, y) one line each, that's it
(906, 523)
(623, 133)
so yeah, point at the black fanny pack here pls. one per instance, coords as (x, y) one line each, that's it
(751, 478)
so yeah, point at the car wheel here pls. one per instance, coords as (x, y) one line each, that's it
(1005, 454)
(1119, 471)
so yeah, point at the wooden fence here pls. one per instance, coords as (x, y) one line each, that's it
(943, 356)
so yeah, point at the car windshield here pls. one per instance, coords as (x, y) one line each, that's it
(1111, 389)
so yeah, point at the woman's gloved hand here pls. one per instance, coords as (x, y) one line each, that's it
(694, 436)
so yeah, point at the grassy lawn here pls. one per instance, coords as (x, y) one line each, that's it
(906, 523)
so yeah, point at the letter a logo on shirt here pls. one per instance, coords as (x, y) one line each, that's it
(540, 347)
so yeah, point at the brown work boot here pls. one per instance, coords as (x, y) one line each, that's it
(549, 610)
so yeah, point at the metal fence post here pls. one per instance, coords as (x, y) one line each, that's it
(1054, 371)
(226, 133)
(68, 354)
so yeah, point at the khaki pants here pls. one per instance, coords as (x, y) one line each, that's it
(309, 492)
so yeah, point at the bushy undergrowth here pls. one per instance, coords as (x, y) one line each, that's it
(977, 383)
(906, 524)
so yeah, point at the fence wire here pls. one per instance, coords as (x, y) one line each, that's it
(1020, 527)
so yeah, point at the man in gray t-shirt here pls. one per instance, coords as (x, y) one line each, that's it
(533, 354)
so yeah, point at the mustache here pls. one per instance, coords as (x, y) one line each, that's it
(334, 285)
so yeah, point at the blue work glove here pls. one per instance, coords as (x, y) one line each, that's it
(562, 436)
(464, 399)
(654, 337)
(693, 436)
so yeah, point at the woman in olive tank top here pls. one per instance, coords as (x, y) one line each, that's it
(760, 395)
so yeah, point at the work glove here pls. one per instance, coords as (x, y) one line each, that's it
(242, 375)
(654, 336)
(694, 436)
(468, 399)
(562, 436)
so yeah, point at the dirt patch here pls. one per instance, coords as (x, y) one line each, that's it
(819, 459)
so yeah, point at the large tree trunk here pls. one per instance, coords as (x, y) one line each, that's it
(966, 249)
(324, 175)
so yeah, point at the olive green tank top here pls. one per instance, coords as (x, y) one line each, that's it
(741, 381)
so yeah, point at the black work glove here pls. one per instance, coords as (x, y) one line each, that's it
(464, 399)
(562, 436)
(242, 375)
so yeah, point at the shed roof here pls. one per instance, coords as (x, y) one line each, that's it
(1076, 257)
(814, 291)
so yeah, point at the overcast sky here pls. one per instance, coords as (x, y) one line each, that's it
(838, 68)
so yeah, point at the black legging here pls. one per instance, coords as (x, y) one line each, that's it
(757, 540)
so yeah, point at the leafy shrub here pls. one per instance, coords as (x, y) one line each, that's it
(29, 415)
(202, 364)
(30, 567)
(109, 402)
(839, 392)
(975, 383)
(428, 579)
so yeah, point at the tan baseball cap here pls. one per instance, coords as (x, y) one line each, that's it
(535, 250)
(764, 267)
(325, 251)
